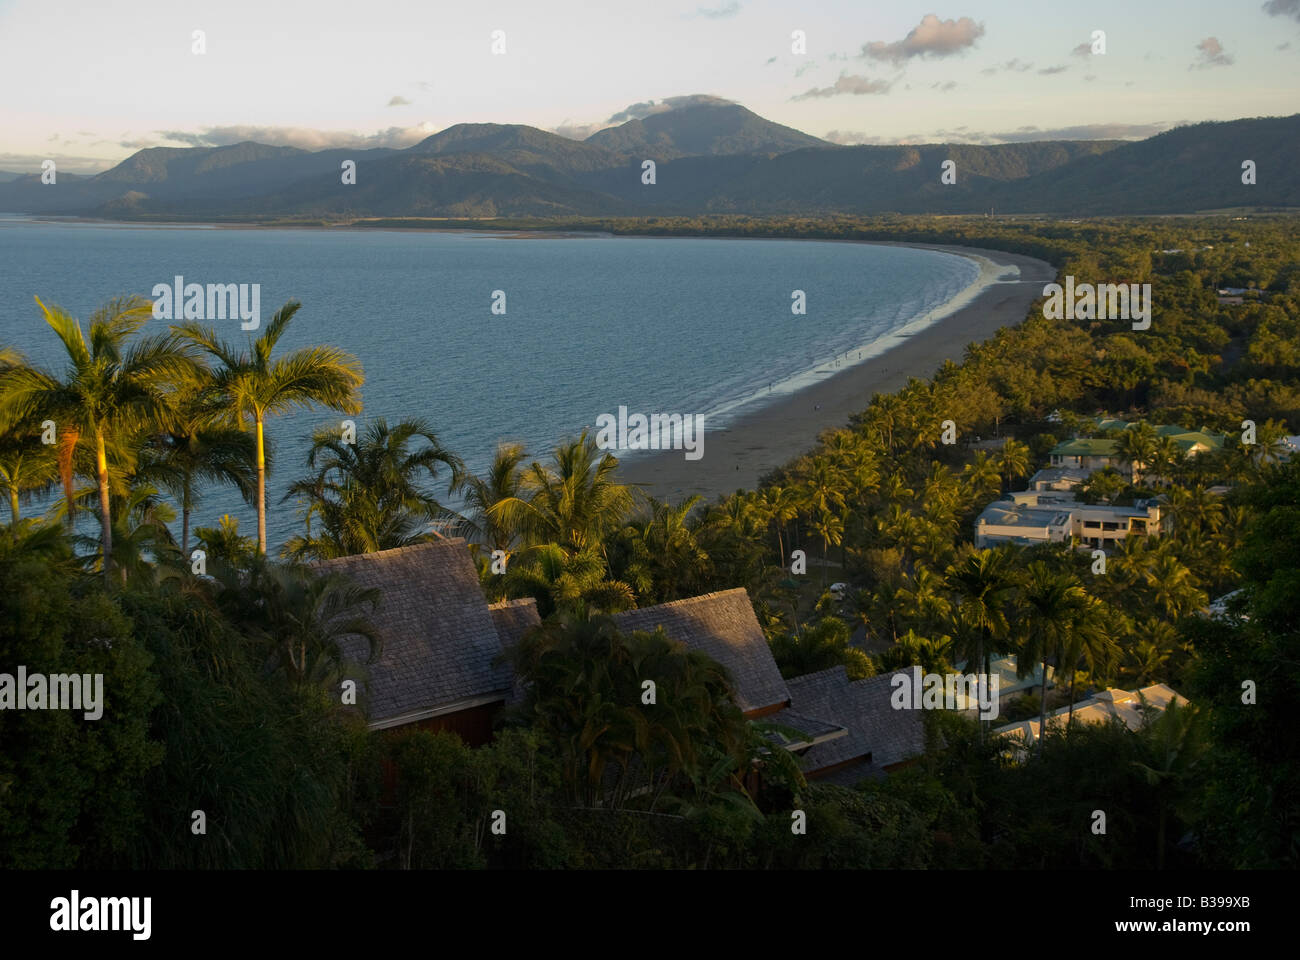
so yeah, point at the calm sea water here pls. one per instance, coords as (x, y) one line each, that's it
(678, 325)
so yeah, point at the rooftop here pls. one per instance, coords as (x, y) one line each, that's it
(722, 625)
(439, 641)
(876, 731)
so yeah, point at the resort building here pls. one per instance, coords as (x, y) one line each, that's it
(1129, 708)
(1060, 479)
(1089, 454)
(1029, 517)
(438, 666)
(877, 739)
(441, 664)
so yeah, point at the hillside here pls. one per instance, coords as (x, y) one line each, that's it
(710, 158)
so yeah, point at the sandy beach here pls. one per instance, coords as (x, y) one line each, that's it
(774, 432)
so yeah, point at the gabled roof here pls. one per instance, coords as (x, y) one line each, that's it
(514, 618)
(1085, 447)
(439, 641)
(722, 625)
(875, 728)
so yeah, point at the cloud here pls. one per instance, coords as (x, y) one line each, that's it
(578, 131)
(304, 138)
(804, 68)
(1211, 55)
(639, 111)
(31, 163)
(1283, 8)
(581, 130)
(770, 61)
(1048, 71)
(855, 84)
(1083, 50)
(1016, 66)
(944, 87)
(1089, 77)
(719, 13)
(931, 38)
(1028, 134)
(399, 101)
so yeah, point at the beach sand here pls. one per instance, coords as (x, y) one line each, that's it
(772, 433)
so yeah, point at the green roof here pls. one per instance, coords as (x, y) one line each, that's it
(1085, 448)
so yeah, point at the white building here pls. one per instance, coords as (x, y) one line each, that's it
(1052, 516)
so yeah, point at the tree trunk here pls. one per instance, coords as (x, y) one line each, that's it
(261, 487)
(185, 518)
(1042, 706)
(13, 502)
(106, 520)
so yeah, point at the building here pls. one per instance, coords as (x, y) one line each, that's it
(439, 666)
(1130, 708)
(877, 739)
(1030, 517)
(1060, 479)
(1087, 455)
(442, 663)
(1097, 453)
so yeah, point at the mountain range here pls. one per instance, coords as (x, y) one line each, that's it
(710, 157)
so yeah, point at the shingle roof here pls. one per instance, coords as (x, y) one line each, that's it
(514, 618)
(722, 625)
(890, 736)
(439, 640)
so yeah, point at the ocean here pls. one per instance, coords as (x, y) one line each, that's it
(590, 323)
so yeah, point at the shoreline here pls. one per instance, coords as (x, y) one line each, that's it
(755, 442)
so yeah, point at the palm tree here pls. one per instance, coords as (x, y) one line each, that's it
(1013, 461)
(1137, 448)
(301, 615)
(983, 582)
(257, 387)
(370, 494)
(203, 445)
(482, 494)
(1173, 741)
(112, 391)
(28, 468)
(1093, 641)
(1051, 602)
(573, 502)
(666, 561)
(981, 476)
(782, 507)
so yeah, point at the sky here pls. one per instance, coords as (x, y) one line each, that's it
(88, 82)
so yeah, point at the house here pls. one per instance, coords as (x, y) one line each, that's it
(722, 625)
(439, 667)
(1061, 479)
(1010, 683)
(1086, 455)
(1130, 708)
(878, 738)
(1097, 453)
(1028, 517)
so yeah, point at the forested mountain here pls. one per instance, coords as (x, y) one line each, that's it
(710, 157)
